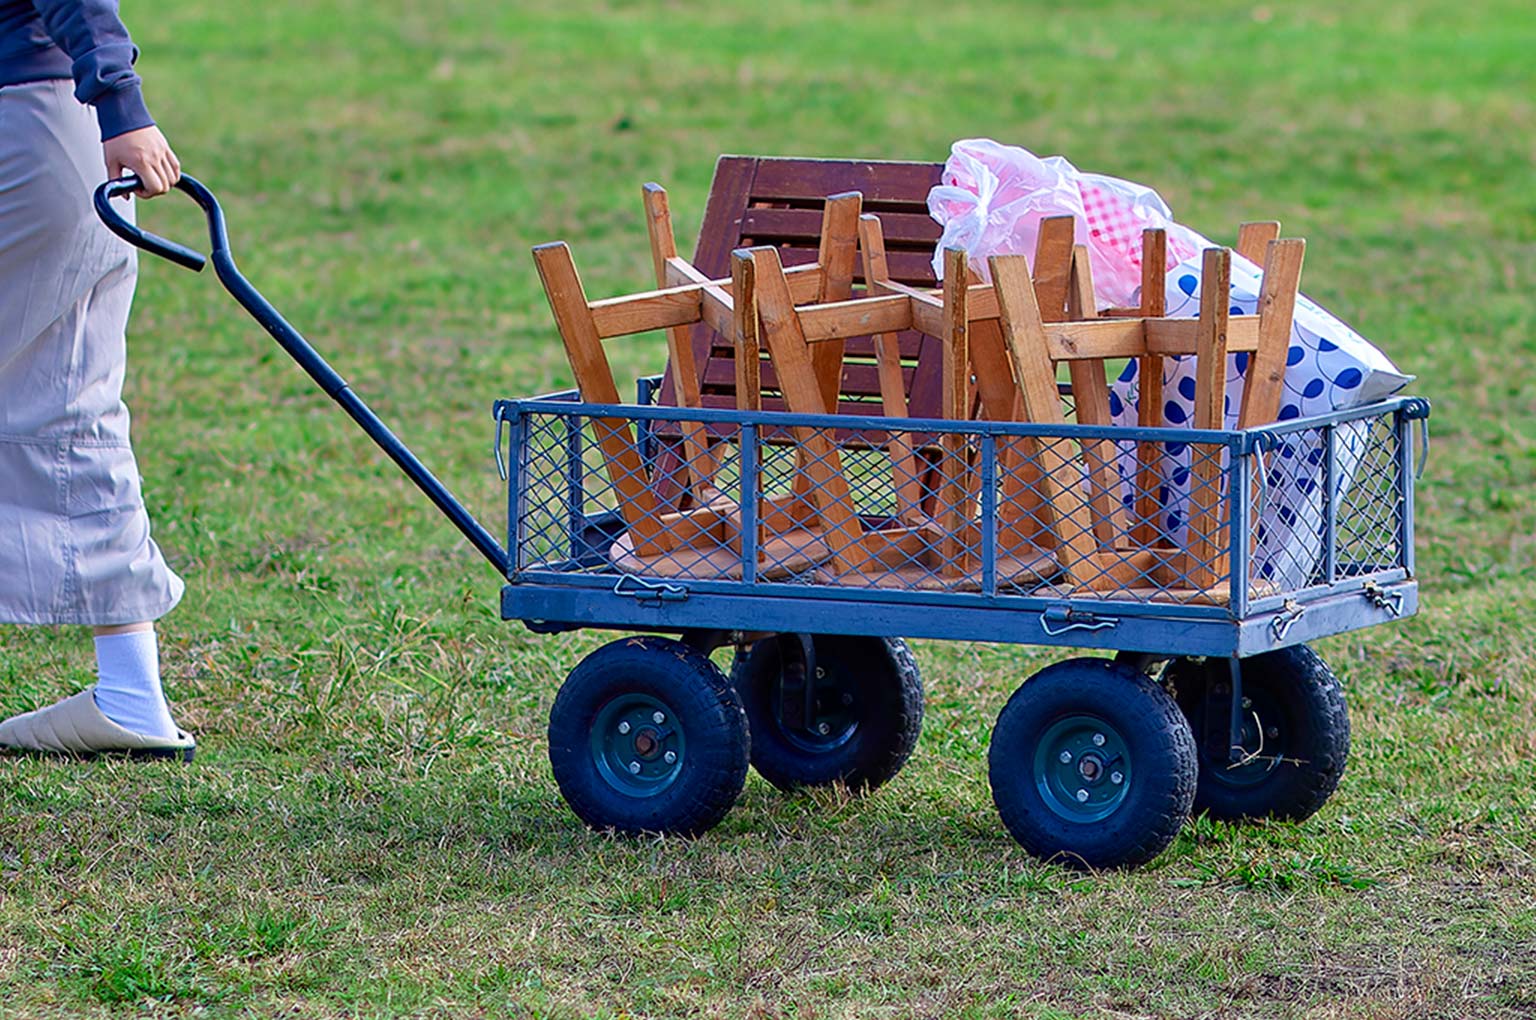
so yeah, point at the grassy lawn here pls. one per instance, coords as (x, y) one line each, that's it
(371, 828)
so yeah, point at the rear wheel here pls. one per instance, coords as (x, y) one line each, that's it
(844, 709)
(1294, 733)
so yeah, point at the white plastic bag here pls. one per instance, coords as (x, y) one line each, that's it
(992, 198)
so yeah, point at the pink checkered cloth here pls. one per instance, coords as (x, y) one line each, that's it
(1116, 223)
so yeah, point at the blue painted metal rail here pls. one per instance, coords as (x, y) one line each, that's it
(1346, 566)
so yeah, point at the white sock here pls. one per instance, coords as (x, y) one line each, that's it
(128, 683)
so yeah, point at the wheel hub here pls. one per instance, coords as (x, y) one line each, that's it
(1082, 768)
(636, 745)
(832, 712)
(1260, 751)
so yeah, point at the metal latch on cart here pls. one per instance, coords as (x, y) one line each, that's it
(1286, 619)
(1391, 601)
(641, 590)
(1057, 620)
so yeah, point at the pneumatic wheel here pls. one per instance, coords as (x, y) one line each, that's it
(1092, 765)
(848, 712)
(646, 735)
(1294, 733)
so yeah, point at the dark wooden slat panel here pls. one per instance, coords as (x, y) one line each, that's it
(728, 197)
(910, 267)
(804, 225)
(812, 179)
(729, 194)
(858, 380)
(909, 343)
(744, 181)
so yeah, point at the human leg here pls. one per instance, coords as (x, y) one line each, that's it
(74, 535)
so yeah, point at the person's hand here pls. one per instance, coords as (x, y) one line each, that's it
(144, 152)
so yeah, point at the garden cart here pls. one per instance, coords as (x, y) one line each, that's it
(815, 543)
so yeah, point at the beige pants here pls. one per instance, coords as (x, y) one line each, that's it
(74, 535)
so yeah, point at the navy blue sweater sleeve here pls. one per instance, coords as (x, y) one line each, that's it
(93, 36)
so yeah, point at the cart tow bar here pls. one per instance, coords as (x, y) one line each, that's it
(292, 341)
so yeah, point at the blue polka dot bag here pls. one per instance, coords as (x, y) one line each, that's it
(1330, 367)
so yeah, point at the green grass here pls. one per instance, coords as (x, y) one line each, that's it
(371, 828)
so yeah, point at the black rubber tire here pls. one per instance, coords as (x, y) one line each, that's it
(1159, 747)
(1299, 707)
(877, 729)
(701, 704)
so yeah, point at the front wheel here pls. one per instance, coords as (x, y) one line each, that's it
(1092, 764)
(646, 735)
(1294, 733)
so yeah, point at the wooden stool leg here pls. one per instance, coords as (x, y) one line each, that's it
(594, 379)
(698, 458)
(1264, 381)
(1090, 394)
(954, 491)
(1024, 332)
(822, 466)
(1149, 402)
(1207, 559)
(1253, 239)
(906, 472)
(837, 256)
(835, 260)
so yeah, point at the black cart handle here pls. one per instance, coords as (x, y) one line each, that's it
(154, 243)
(292, 341)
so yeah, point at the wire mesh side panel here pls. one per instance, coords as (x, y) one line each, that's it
(965, 508)
(605, 495)
(1335, 499)
(1078, 517)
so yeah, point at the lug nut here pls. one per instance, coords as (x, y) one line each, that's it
(1247, 702)
(1066, 757)
(670, 757)
(1098, 740)
(823, 728)
(847, 700)
(1082, 795)
(634, 768)
(624, 727)
(658, 718)
(1116, 778)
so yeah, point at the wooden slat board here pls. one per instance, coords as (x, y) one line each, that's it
(773, 200)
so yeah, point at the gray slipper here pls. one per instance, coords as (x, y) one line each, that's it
(76, 726)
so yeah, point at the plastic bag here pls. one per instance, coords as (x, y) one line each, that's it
(992, 197)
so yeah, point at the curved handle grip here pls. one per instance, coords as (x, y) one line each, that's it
(179, 254)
